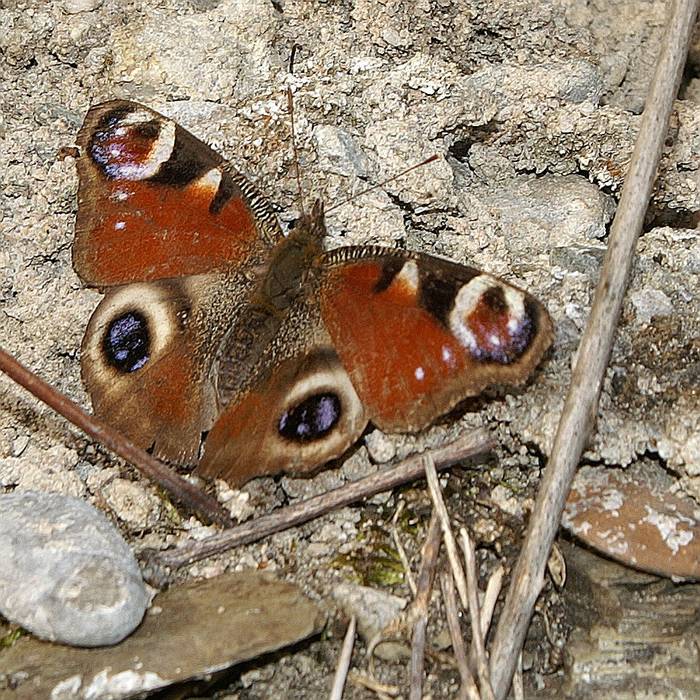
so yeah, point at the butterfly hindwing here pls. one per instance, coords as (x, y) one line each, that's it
(417, 334)
(297, 411)
(155, 202)
(148, 359)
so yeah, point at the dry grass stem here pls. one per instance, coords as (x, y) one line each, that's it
(493, 590)
(450, 542)
(518, 687)
(421, 603)
(400, 548)
(468, 687)
(482, 664)
(382, 690)
(341, 671)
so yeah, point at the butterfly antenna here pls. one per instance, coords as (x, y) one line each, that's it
(290, 109)
(383, 182)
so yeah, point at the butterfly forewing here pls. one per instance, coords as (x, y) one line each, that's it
(418, 334)
(155, 202)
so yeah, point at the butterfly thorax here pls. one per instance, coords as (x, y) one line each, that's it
(282, 281)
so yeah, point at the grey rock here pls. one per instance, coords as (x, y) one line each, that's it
(67, 574)
(374, 609)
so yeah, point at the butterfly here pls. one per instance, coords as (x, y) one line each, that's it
(222, 342)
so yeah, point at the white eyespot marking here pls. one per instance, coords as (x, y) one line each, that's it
(209, 182)
(408, 277)
(145, 166)
(448, 356)
(120, 195)
(153, 303)
(120, 226)
(160, 152)
(136, 117)
(473, 338)
(419, 374)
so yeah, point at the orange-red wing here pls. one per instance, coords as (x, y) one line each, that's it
(155, 202)
(417, 334)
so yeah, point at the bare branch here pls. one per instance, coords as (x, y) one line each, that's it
(159, 566)
(581, 403)
(179, 489)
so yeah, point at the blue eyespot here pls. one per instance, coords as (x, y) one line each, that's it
(127, 342)
(312, 419)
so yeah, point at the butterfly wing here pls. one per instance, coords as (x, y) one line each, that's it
(184, 234)
(297, 411)
(155, 202)
(417, 334)
(149, 356)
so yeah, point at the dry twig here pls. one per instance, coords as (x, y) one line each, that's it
(468, 687)
(158, 567)
(341, 671)
(482, 664)
(419, 611)
(179, 489)
(594, 351)
(381, 689)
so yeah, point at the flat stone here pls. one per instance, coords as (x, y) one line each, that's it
(634, 517)
(67, 574)
(190, 632)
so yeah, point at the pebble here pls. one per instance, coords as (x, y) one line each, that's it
(73, 7)
(67, 574)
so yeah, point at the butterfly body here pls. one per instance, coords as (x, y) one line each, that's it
(221, 341)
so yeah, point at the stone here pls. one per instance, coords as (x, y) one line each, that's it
(67, 574)
(73, 7)
(190, 632)
(634, 517)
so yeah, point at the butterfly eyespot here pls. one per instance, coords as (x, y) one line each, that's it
(311, 419)
(127, 342)
(131, 145)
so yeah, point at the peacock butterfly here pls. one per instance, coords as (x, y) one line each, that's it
(224, 342)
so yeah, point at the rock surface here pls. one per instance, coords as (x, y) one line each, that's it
(533, 109)
(67, 575)
(190, 632)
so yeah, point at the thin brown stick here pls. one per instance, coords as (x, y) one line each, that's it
(421, 603)
(341, 671)
(181, 490)
(581, 403)
(158, 567)
(482, 664)
(468, 687)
